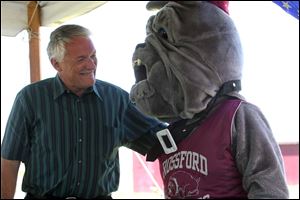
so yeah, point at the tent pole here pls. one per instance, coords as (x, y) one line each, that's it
(34, 40)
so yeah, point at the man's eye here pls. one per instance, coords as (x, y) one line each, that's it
(81, 59)
(162, 33)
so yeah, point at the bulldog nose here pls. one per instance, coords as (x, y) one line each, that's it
(141, 45)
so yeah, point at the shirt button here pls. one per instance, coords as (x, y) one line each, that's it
(78, 183)
(80, 161)
(80, 140)
(79, 119)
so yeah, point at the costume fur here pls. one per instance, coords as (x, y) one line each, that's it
(191, 50)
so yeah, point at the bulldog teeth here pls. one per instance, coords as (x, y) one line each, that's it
(140, 71)
(137, 62)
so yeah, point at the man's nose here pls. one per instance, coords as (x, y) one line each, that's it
(92, 63)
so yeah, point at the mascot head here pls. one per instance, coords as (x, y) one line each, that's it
(191, 50)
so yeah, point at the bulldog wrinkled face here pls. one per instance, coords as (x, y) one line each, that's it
(190, 50)
(141, 52)
(153, 91)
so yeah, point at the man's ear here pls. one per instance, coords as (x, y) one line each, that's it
(55, 64)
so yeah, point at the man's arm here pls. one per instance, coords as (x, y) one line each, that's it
(9, 174)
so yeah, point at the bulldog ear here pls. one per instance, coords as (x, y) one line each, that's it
(155, 5)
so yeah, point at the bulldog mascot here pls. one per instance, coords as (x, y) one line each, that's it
(188, 74)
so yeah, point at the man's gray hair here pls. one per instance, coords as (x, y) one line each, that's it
(61, 36)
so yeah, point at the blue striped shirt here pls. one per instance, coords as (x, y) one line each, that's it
(69, 144)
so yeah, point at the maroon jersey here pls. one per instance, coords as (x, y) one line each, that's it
(203, 165)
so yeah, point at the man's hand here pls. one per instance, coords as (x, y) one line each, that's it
(9, 174)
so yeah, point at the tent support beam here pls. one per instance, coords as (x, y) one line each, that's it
(34, 40)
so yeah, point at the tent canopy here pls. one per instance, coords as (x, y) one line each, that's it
(17, 16)
(14, 16)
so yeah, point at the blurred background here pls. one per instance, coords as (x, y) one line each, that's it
(270, 39)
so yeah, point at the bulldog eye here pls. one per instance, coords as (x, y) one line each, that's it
(162, 33)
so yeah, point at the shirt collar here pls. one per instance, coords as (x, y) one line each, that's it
(60, 88)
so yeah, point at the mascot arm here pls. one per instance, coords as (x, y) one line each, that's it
(258, 155)
(141, 130)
